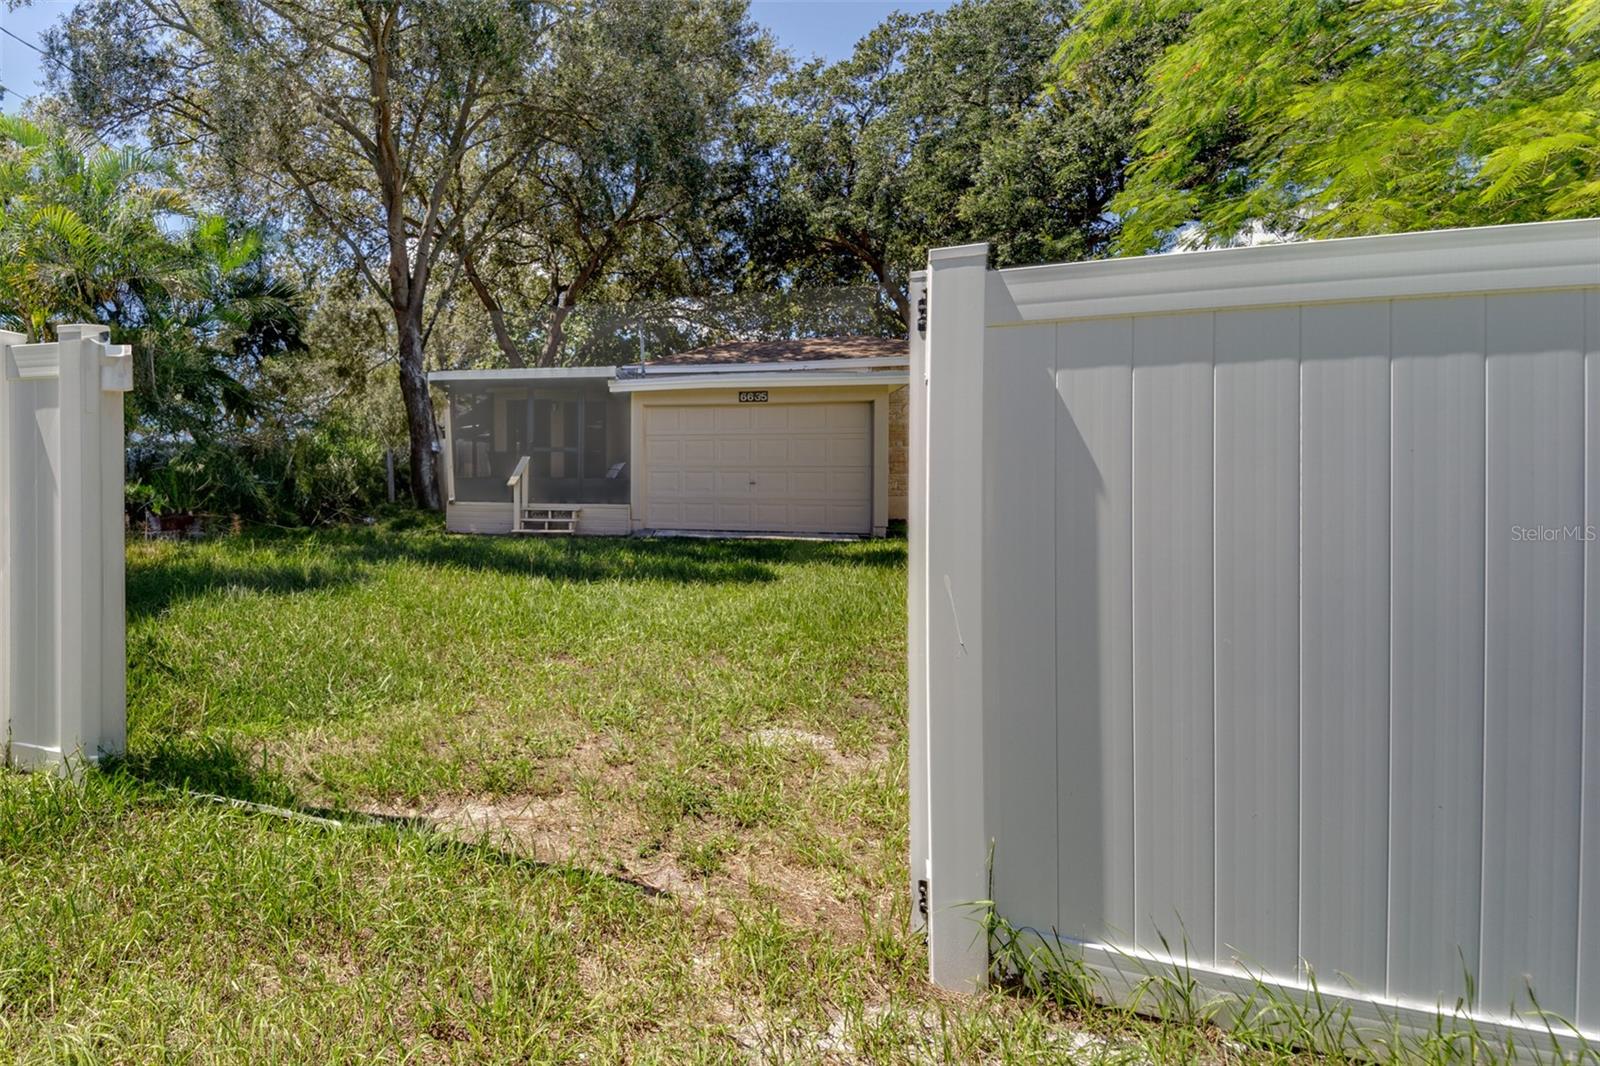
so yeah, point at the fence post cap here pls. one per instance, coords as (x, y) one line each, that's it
(959, 255)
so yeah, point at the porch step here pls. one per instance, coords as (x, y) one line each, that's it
(546, 520)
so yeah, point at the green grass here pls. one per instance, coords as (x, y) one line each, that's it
(597, 800)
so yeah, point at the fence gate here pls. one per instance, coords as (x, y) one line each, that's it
(1255, 625)
(61, 547)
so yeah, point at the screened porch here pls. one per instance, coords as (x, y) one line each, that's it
(538, 444)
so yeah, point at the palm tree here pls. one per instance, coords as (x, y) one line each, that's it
(81, 225)
(90, 233)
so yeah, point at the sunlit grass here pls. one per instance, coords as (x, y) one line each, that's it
(575, 800)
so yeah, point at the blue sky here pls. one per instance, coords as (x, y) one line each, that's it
(20, 67)
(827, 28)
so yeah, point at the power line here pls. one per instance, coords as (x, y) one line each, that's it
(25, 41)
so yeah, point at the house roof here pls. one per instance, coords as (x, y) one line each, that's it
(796, 350)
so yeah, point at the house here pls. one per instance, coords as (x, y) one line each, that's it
(792, 436)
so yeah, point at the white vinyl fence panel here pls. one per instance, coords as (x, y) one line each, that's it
(61, 547)
(1256, 617)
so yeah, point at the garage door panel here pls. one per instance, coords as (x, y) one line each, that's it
(778, 467)
(808, 483)
(695, 515)
(849, 451)
(731, 515)
(773, 451)
(739, 451)
(848, 517)
(813, 416)
(840, 417)
(664, 451)
(808, 451)
(772, 515)
(854, 484)
(787, 484)
(698, 419)
(809, 515)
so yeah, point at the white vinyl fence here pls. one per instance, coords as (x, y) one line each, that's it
(61, 547)
(1256, 618)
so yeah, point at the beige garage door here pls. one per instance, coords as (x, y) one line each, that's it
(786, 468)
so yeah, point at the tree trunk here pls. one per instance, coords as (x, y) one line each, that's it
(558, 334)
(902, 305)
(419, 414)
(497, 318)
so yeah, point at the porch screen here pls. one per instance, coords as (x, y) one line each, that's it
(574, 435)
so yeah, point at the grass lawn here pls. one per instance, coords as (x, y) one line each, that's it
(598, 801)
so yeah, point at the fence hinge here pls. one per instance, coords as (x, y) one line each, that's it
(922, 314)
(922, 896)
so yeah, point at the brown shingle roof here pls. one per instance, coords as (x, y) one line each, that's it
(800, 350)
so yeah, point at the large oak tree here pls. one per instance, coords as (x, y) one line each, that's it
(944, 128)
(624, 169)
(382, 124)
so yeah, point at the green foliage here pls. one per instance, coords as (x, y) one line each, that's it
(869, 161)
(944, 128)
(97, 234)
(80, 227)
(334, 474)
(1336, 118)
(615, 193)
(329, 471)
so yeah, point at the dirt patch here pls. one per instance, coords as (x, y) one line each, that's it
(785, 737)
(803, 895)
(586, 814)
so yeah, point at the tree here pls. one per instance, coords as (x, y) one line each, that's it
(621, 168)
(91, 233)
(1046, 182)
(79, 226)
(381, 123)
(1342, 118)
(938, 129)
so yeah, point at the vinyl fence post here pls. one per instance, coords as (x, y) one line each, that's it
(90, 622)
(953, 599)
(917, 597)
(15, 425)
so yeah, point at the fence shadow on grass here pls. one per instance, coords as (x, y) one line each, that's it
(683, 560)
(156, 584)
(218, 770)
(286, 562)
(582, 559)
(213, 765)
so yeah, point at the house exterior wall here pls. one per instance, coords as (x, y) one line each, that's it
(877, 395)
(899, 454)
(463, 517)
(889, 474)
(1256, 610)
